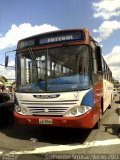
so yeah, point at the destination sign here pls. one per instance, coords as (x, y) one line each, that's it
(26, 43)
(56, 37)
(61, 37)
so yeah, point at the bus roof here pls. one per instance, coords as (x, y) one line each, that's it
(53, 37)
(55, 31)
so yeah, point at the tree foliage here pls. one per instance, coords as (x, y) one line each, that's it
(3, 79)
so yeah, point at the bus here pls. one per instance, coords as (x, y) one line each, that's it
(62, 80)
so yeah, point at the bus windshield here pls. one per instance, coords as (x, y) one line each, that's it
(57, 69)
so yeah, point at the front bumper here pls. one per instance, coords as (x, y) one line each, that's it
(83, 121)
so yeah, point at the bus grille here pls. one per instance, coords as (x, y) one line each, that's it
(48, 108)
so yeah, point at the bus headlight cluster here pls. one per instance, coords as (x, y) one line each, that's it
(18, 108)
(74, 111)
(77, 111)
(22, 109)
(81, 109)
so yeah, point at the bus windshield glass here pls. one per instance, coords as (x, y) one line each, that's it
(57, 69)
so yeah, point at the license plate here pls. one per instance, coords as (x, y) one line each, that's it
(45, 121)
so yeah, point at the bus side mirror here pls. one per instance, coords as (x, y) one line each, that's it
(99, 58)
(6, 61)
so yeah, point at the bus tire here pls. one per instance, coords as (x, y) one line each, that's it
(97, 125)
(109, 107)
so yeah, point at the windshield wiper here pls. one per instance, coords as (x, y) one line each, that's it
(32, 56)
(33, 59)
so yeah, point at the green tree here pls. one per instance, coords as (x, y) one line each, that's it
(3, 78)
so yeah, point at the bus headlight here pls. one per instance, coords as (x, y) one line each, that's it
(81, 109)
(74, 111)
(24, 110)
(77, 110)
(18, 108)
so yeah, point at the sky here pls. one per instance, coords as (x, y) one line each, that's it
(23, 18)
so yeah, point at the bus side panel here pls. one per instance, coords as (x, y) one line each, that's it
(97, 91)
(107, 94)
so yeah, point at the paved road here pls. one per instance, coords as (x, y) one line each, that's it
(19, 142)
